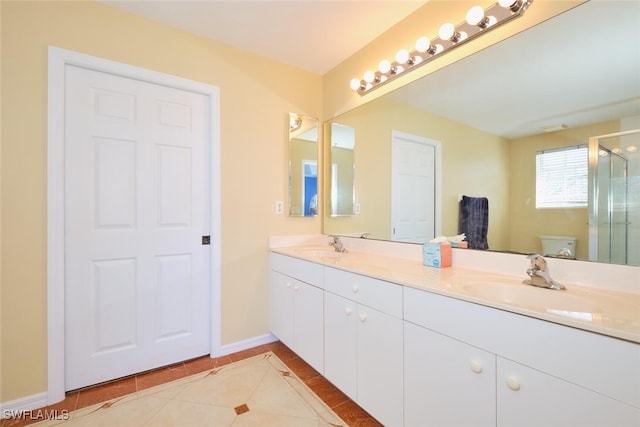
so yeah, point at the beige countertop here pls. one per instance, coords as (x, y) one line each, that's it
(608, 312)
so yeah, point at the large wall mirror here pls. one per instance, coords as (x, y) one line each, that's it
(303, 165)
(503, 113)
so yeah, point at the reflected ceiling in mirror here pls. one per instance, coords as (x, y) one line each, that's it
(574, 69)
(577, 72)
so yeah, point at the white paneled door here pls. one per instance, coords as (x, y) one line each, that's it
(136, 210)
(415, 188)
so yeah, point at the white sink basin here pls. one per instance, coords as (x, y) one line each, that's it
(321, 253)
(532, 297)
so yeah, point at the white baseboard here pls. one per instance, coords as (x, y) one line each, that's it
(11, 408)
(243, 345)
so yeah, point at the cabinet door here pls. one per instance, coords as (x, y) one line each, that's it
(446, 382)
(340, 343)
(281, 311)
(527, 397)
(308, 327)
(380, 365)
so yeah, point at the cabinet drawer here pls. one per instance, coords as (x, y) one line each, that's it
(597, 362)
(381, 295)
(306, 271)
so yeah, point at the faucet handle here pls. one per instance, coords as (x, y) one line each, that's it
(539, 273)
(538, 262)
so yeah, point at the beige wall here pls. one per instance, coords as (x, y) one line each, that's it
(256, 97)
(527, 222)
(474, 163)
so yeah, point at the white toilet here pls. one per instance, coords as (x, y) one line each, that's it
(558, 246)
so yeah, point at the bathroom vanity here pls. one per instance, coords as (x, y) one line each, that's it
(419, 346)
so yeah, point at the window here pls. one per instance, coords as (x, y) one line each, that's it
(561, 177)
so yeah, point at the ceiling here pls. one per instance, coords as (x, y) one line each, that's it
(312, 35)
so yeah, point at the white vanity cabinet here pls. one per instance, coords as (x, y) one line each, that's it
(363, 342)
(296, 301)
(447, 382)
(546, 374)
(530, 398)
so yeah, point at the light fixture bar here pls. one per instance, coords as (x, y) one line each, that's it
(478, 22)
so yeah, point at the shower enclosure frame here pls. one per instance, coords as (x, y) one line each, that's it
(594, 214)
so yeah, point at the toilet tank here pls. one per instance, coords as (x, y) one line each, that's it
(554, 245)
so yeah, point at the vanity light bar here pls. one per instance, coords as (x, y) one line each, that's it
(478, 22)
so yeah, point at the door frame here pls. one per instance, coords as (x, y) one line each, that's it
(58, 59)
(313, 163)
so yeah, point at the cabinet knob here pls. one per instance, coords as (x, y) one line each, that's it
(355, 289)
(287, 285)
(513, 383)
(296, 288)
(363, 317)
(476, 366)
(348, 311)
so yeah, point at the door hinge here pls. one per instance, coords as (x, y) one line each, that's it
(206, 240)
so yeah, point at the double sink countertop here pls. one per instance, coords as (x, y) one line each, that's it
(609, 312)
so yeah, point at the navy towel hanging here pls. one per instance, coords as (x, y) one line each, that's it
(474, 221)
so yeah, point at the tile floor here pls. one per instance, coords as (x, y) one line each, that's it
(180, 403)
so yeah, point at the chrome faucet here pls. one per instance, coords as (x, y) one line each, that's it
(539, 274)
(337, 244)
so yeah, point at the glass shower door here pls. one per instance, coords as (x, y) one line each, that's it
(609, 196)
(611, 204)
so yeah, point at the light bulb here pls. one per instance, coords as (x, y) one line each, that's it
(512, 5)
(616, 150)
(355, 84)
(632, 149)
(384, 67)
(369, 76)
(447, 31)
(402, 56)
(423, 44)
(475, 15)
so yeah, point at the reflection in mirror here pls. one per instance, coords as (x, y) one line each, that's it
(303, 165)
(342, 194)
(493, 112)
(614, 181)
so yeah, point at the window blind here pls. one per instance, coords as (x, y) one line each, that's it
(562, 177)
